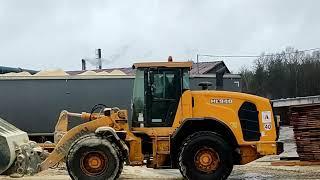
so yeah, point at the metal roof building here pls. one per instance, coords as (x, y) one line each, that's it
(197, 69)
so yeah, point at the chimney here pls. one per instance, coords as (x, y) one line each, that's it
(83, 62)
(98, 56)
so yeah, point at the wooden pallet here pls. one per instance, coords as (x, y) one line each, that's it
(295, 163)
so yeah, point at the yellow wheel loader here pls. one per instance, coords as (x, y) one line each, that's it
(203, 133)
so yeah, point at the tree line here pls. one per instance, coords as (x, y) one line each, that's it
(291, 73)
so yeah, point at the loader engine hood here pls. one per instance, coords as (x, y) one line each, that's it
(10, 138)
(231, 95)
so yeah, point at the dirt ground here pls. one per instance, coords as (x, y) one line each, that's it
(258, 170)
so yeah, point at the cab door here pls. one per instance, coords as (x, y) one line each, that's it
(162, 96)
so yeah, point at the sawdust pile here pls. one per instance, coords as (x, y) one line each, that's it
(55, 72)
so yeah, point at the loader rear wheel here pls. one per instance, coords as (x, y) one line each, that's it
(205, 155)
(94, 158)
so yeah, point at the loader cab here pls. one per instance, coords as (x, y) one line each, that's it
(157, 91)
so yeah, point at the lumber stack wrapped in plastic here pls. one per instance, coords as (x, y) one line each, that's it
(306, 127)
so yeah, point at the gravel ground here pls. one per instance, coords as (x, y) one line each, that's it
(257, 170)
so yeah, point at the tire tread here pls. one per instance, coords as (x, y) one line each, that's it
(191, 138)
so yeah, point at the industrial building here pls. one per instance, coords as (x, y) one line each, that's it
(33, 102)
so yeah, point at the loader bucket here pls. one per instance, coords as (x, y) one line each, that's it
(10, 139)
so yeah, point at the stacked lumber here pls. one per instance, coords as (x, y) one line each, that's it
(306, 127)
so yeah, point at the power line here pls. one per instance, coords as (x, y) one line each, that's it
(227, 56)
(250, 56)
(255, 56)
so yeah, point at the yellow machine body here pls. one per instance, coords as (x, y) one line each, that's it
(224, 113)
(201, 106)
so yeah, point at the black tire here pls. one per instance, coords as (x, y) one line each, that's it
(202, 145)
(121, 162)
(108, 164)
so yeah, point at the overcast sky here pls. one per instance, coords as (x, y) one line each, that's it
(42, 34)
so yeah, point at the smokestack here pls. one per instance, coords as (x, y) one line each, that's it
(83, 62)
(98, 56)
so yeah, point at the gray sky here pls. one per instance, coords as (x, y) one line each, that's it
(42, 34)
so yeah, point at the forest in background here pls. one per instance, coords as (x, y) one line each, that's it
(291, 73)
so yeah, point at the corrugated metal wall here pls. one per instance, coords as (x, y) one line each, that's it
(33, 105)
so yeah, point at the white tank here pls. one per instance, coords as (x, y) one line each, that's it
(10, 139)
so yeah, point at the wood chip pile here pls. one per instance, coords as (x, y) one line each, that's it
(306, 127)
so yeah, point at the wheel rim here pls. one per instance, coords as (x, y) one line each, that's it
(94, 163)
(206, 160)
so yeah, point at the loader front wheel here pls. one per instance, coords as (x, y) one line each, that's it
(93, 158)
(205, 155)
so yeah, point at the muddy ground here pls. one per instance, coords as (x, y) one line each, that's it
(257, 170)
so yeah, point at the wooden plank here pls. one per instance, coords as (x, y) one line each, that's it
(289, 158)
(295, 163)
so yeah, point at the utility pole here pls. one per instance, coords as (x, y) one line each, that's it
(198, 63)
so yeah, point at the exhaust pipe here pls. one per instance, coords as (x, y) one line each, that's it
(219, 78)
